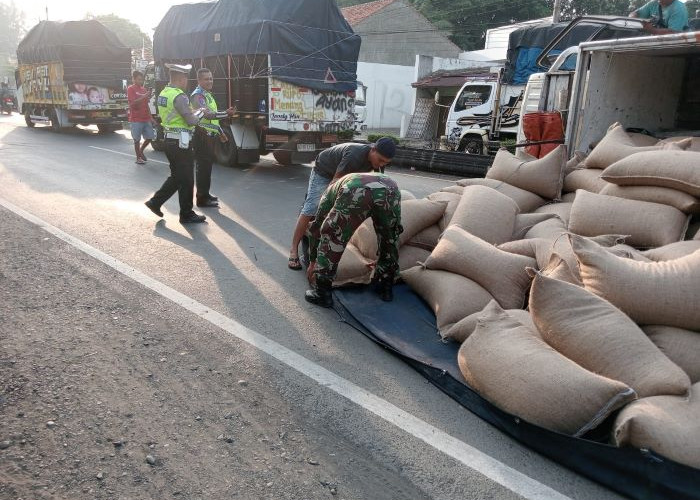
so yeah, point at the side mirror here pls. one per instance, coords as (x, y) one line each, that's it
(437, 97)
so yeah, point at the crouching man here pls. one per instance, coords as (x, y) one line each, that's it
(344, 206)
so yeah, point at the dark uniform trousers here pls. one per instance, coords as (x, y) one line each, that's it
(204, 158)
(181, 176)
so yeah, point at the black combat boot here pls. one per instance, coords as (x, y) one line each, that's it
(321, 294)
(383, 287)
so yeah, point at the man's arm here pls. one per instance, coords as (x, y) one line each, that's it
(182, 105)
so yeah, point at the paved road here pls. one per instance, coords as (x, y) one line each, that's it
(87, 186)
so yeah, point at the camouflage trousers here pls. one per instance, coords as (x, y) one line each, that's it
(352, 208)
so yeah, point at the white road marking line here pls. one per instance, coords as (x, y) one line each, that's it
(127, 154)
(482, 463)
(391, 172)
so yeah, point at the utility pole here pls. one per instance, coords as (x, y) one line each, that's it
(557, 11)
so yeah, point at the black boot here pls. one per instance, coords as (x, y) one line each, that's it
(321, 294)
(383, 287)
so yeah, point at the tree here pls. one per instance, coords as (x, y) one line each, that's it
(128, 33)
(12, 30)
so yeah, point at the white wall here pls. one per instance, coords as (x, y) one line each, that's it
(389, 93)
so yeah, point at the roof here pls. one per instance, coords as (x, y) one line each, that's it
(358, 13)
(453, 77)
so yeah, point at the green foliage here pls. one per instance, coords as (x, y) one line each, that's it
(128, 33)
(12, 30)
(376, 137)
(346, 135)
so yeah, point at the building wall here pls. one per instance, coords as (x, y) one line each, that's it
(395, 34)
(389, 93)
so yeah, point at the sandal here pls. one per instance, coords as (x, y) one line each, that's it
(143, 157)
(140, 161)
(294, 263)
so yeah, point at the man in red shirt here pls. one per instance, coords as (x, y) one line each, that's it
(140, 120)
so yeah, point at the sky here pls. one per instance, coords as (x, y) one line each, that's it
(145, 13)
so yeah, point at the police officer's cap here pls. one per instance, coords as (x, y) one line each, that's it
(179, 68)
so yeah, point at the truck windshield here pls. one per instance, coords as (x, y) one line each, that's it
(360, 94)
(471, 96)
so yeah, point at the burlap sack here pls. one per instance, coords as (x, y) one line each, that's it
(672, 251)
(521, 154)
(526, 201)
(693, 145)
(457, 189)
(509, 365)
(667, 425)
(613, 147)
(642, 139)
(550, 229)
(568, 197)
(672, 169)
(416, 215)
(542, 177)
(410, 256)
(679, 345)
(452, 200)
(407, 195)
(353, 267)
(486, 213)
(654, 293)
(561, 210)
(574, 162)
(601, 338)
(558, 269)
(648, 224)
(655, 194)
(628, 252)
(521, 247)
(461, 330)
(501, 273)
(427, 238)
(450, 296)
(525, 222)
(587, 179)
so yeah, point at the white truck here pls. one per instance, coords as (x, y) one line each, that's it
(648, 83)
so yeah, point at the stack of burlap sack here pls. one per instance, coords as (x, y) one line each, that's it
(612, 290)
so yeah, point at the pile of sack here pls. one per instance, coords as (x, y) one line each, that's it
(573, 286)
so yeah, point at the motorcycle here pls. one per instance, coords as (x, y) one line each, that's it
(7, 104)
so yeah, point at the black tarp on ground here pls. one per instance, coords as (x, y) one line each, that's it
(304, 38)
(407, 327)
(89, 51)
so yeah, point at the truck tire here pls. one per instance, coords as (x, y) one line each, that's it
(28, 119)
(226, 153)
(283, 157)
(108, 128)
(472, 145)
(158, 145)
(53, 116)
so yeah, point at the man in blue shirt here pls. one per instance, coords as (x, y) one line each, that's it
(671, 16)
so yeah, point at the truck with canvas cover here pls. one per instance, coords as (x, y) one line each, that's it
(487, 109)
(646, 83)
(73, 73)
(289, 68)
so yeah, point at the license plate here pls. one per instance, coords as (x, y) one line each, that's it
(306, 147)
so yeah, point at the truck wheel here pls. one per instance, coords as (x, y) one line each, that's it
(283, 157)
(28, 119)
(107, 128)
(157, 145)
(472, 145)
(55, 125)
(226, 153)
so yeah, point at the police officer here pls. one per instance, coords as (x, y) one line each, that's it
(206, 133)
(344, 206)
(178, 121)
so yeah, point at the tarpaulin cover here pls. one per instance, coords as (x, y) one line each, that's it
(309, 41)
(407, 327)
(526, 44)
(88, 50)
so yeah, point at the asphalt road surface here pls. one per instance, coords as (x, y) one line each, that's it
(146, 359)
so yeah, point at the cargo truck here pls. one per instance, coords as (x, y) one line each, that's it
(73, 73)
(646, 83)
(289, 68)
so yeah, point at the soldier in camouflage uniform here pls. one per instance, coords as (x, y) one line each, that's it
(344, 206)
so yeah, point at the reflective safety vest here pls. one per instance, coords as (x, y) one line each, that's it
(171, 120)
(211, 126)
